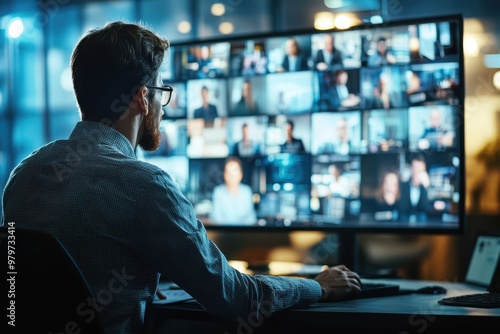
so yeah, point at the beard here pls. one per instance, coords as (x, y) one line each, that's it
(151, 137)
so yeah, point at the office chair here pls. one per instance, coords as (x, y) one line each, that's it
(49, 291)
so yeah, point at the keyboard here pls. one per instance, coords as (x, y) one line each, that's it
(370, 290)
(483, 300)
(377, 290)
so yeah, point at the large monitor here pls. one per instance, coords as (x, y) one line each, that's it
(342, 130)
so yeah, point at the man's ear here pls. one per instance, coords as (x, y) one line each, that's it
(141, 100)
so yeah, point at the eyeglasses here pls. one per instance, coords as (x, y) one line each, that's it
(166, 93)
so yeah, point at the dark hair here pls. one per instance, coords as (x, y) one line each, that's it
(291, 123)
(381, 39)
(297, 45)
(339, 72)
(110, 64)
(417, 157)
(233, 158)
(379, 193)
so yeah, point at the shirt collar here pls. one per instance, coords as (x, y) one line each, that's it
(96, 132)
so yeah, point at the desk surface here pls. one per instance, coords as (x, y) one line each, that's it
(411, 313)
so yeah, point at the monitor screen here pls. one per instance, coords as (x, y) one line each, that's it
(357, 129)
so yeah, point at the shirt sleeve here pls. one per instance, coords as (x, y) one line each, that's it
(176, 244)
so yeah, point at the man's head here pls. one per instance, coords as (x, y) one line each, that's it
(329, 42)
(292, 47)
(334, 171)
(418, 168)
(435, 119)
(244, 131)
(204, 94)
(382, 45)
(341, 77)
(342, 129)
(246, 90)
(289, 129)
(111, 64)
(205, 52)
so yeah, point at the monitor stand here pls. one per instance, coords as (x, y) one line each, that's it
(348, 250)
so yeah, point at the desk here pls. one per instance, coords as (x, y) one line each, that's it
(411, 313)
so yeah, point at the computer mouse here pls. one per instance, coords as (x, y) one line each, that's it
(431, 290)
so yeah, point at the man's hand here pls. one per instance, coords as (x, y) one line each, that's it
(337, 282)
(160, 294)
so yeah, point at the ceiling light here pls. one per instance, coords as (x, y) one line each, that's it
(496, 80)
(218, 9)
(471, 47)
(343, 21)
(324, 21)
(16, 28)
(184, 27)
(226, 28)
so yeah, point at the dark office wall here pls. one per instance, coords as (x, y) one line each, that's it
(403, 9)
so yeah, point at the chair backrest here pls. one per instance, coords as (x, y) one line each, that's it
(46, 288)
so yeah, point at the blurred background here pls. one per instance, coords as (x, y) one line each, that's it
(37, 104)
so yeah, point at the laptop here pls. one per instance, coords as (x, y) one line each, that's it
(484, 259)
(483, 271)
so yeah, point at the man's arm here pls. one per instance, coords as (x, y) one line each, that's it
(173, 241)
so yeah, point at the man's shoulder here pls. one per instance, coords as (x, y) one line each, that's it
(150, 176)
(146, 169)
(41, 152)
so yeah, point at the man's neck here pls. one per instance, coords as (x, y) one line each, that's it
(130, 127)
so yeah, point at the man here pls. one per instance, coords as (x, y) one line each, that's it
(414, 202)
(125, 221)
(338, 96)
(207, 111)
(292, 144)
(329, 58)
(246, 147)
(381, 56)
(294, 60)
(342, 144)
(385, 95)
(435, 136)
